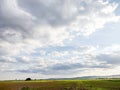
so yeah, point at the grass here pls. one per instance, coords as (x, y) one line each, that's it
(61, 85)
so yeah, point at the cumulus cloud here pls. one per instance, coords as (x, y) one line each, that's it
(83, 58)
(23, 19)
(35, 33)
(72, 59)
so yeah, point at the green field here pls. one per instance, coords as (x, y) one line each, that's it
(61, 85)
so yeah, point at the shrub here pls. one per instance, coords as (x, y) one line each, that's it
(28, 79)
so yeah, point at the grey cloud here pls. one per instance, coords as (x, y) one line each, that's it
(60, 68)
(13, 21)
(109, 58)
(7, 59)
(60, 12)
(27, 25)
(73, 66)
(66, 66)
(21, 16)
(13, 16)
(54, 12)
(22, 60)
(3, 60)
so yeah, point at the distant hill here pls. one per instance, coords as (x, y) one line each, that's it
(86, 77)
(112, 76)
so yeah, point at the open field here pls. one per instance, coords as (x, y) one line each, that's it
(61, 85)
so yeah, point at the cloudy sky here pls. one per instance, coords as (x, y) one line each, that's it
(59, 38)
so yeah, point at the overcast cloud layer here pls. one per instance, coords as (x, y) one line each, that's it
(52, 38)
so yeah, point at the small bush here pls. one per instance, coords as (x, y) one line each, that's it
(28, 79)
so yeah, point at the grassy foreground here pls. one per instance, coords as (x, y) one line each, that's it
(61, 85)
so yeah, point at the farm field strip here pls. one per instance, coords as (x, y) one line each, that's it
(61, 85)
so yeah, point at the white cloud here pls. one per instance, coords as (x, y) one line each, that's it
(28, 26)
(53, 21)
(74, 60)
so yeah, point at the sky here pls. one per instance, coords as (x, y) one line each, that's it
(59, 38)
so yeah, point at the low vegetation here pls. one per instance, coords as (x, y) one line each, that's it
(61, 85)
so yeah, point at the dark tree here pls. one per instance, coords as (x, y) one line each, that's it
(28, 79)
